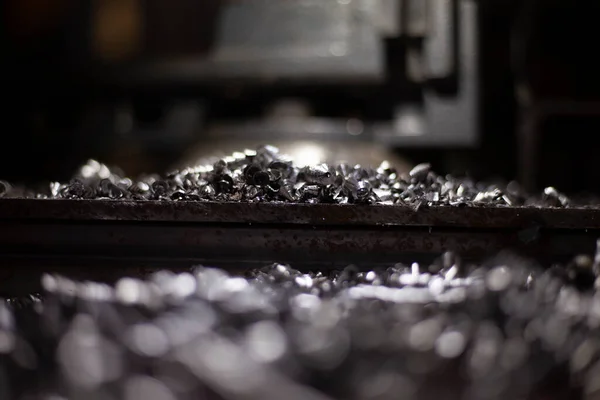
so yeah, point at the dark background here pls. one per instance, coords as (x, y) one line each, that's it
(52, 84)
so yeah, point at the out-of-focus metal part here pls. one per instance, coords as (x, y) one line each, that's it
(290, 126)
(454, 121)
(415, 64)
(410, 120)
(306, 40)
(387, 15)
(337, 42)
(448, 120)
(323, 141)
(439, 121)
(288, 108)
(439, 47)
(287, 128)
(416, 21)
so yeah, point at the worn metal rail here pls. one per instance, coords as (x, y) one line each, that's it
(52, 233)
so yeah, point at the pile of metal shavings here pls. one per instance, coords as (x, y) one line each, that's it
(505, 329)
(265, 175)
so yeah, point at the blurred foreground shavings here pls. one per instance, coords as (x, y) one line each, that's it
(502, 330)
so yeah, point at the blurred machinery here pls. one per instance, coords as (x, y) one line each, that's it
(315, 69)
(469, 85)
(386, 74)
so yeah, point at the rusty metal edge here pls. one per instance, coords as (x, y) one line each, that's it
(308, 214)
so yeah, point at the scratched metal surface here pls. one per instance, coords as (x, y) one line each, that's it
(104, 239)
(307, 214)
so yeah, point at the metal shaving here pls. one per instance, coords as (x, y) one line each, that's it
(506, 329)
(266, 175)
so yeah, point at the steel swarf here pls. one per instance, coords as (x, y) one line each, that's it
(265, 175)
(504, 329)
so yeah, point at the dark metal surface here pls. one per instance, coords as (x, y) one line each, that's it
(303, 40)
(62, 210)
(103, 239)
(163, 245)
